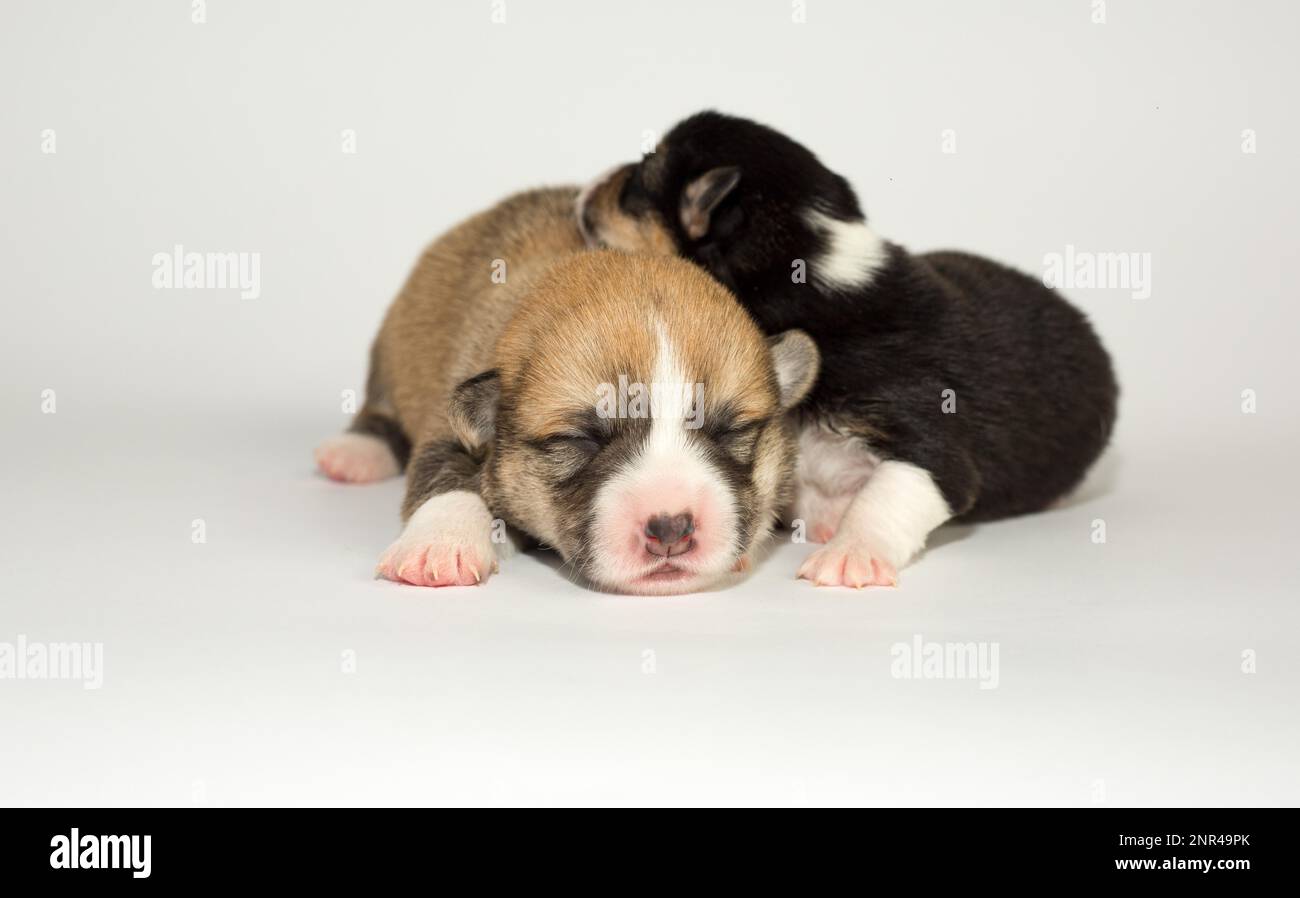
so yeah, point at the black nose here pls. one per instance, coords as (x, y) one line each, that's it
(668, 530)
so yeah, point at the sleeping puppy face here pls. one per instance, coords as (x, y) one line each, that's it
(737, 197)
(635, 422)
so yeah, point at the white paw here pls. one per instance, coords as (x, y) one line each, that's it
(848, 562)
(356, 458)
(447, 542)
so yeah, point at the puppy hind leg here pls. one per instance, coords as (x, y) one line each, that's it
(373, 448)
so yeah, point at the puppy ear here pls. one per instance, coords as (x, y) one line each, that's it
(702, 196)
(796, 360)
(473, 412)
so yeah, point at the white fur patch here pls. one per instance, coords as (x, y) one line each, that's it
(356, 458)
(894, 513)
(854, 255)
(667, 438)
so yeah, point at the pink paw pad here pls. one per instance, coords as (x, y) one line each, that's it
(435, 566)
(850, 565)
(356, 458)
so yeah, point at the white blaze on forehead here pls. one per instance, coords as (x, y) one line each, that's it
(853, 255)
(675, 393)
(668, 447)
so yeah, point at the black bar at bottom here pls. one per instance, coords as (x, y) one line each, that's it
(337, 847)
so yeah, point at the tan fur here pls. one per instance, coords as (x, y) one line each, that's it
(583, 322)
(617, 230)
(444, 323)
(565, 321)
(586, 323)
(592, 318)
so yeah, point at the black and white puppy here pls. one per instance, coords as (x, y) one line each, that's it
(951, 387)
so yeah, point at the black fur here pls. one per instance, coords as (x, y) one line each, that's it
(439, 468)
(1034, 390)
(473, 410)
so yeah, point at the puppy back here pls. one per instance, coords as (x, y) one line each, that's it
(441, 328)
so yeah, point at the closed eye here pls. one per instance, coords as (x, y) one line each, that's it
(732, 429)
(587, 441)
(587, 444)
(740, 440)
(567, 454)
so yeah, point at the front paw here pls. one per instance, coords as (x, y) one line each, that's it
(848, 562)
(436, 563)
(447, 542)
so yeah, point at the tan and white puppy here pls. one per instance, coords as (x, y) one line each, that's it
(623, 410)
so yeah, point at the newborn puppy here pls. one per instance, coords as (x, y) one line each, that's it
(582, 397)
(951, 386)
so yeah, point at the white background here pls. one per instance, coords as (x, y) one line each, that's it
(1121, 675)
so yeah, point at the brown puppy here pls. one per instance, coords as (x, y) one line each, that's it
(621, 409)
